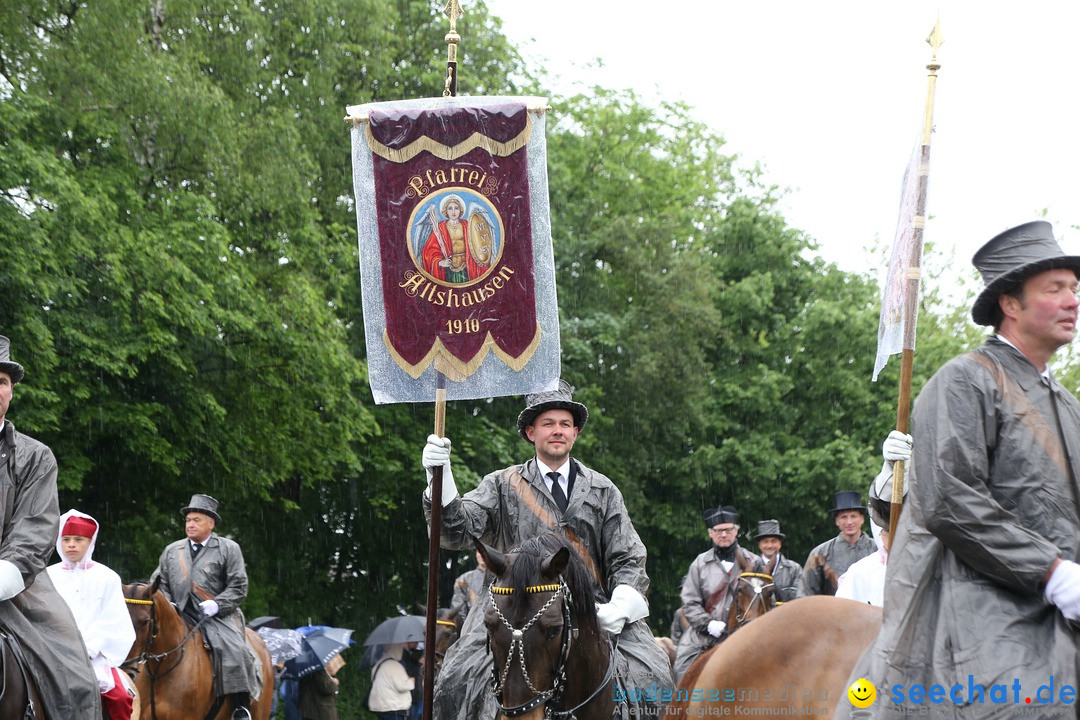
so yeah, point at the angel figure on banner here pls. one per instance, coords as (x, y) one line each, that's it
(457, 250)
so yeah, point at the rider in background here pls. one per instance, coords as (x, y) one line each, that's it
(203, 575)
(831, 559)
(785, 571)
(710, 587)
(30, 608)
(95, 595)
(469, 586)
(864, 581)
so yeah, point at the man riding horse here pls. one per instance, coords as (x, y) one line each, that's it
(709, 587)
(203, 575)
(550, 491)
(31, 609)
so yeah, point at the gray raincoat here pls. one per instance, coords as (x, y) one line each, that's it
(217, 572)
(786, 573)
(513, 505)
(706, 573)
(838, 554)
(468, 588)
(38, 616)
(992, 501)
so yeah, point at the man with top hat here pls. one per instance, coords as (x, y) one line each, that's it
(95, 595)
(831, 559)
(982, 585)
(30, 607)
(864, 581)
(710, 586)
(550, 491)
(203, 575)
(785, 571)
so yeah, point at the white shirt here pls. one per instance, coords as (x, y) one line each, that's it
(864, 581)
(564, 476)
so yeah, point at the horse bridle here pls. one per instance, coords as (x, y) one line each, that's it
(132, 665)
(740, 613)
(517, 641)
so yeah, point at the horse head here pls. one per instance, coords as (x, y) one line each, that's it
(448, 622)
(754, 596)
(139, 598)
(551, 658)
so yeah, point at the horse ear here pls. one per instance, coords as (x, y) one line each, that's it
(155, 585)
(553, 566)
(494, 559)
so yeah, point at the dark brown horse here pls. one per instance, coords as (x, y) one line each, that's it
(551, 658)
(793, 661)
(173, 673)
(448, 622)
(19, 699)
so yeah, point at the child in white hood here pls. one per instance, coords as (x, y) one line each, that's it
(96, 598)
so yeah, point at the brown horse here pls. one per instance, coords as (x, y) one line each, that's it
(754, 596)
(794, 660)
(551, 658)
(174, 677)
(19, 699)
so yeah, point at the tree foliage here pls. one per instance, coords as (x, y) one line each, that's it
(179, 274)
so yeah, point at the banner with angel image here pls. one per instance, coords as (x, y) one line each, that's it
(456, 263)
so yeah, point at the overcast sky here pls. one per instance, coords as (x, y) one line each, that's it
(830, 97)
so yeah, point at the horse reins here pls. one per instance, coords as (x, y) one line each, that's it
(758, 590)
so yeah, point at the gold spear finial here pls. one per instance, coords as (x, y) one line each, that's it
(452, 11)
(935, 40)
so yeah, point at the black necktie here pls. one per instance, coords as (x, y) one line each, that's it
(195, 548)
(557, 491)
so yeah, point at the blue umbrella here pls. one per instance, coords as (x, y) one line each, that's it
(318, 648)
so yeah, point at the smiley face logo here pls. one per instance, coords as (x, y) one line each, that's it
(862, 693)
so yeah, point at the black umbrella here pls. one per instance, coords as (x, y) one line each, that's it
(319, 648)
(270, 621)
(399, 629)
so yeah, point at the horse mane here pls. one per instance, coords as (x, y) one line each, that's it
(526, 569)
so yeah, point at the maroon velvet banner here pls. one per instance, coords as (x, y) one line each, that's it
(455, 236)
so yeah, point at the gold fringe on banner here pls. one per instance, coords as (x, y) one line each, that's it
(457, 370)
(445, 152)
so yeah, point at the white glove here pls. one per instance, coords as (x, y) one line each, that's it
(1063, 589)
(627, 605)
(209, 608)
(897, 447)
(716, 628)
(437, 454)
(11, 580)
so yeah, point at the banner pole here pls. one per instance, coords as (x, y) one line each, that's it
(911, 303)
(453, 12)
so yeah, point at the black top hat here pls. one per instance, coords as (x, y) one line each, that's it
(1010, 258)
(769, 528)
(847, 500)
(726, 514)
(14, 369)
(202, 504)
(562, 398)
